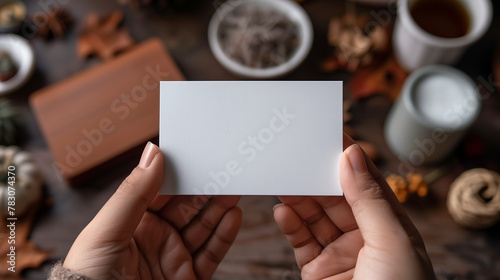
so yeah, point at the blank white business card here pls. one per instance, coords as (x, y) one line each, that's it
(251, 138)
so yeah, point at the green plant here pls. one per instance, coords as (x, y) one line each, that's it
(11, 124)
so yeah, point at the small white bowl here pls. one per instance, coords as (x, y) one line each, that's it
(294, 12)
(23, 56)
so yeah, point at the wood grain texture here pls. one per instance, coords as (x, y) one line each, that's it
(105, 111)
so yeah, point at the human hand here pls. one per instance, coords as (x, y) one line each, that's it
(143, 235)
(364, 234)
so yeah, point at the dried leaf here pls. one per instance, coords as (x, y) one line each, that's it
(385, 78)
(331, 64)
(27, 255)
(26, 252)
(103, 37)
(354, 48)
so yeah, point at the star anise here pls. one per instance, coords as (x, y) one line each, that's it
(55, 23)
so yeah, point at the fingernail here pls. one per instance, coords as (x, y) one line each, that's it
(147, 155)
(356, 158)
(277, 205)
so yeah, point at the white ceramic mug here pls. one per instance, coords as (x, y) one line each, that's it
(436, 106)
(415, 47)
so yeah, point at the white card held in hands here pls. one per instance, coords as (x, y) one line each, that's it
(251, 138)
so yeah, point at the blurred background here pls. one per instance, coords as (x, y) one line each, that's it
(78, 101)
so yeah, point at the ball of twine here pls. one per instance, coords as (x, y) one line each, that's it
(474, 198)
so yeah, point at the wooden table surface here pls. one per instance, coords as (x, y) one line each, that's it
(260, 251)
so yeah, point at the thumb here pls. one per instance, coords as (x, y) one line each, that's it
(374, 214)
(120, 216)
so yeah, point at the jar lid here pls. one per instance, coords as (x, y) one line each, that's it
(442, 96)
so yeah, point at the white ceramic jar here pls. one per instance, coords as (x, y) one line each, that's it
(414, 47)
(436, 106)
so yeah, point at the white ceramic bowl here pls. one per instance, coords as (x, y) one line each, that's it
(23, 56)
(293, 11)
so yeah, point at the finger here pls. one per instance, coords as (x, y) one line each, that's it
(373, 170)
(202, 227)
(119, 217)
(374, 215)
(339, 212)
(159, 202)
(160, 248)
(398, 209)
(180, 210)
(340, 256)
(305, 245)
(213, 251)
(312, 214)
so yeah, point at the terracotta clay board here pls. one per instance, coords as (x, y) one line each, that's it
(105, 111)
